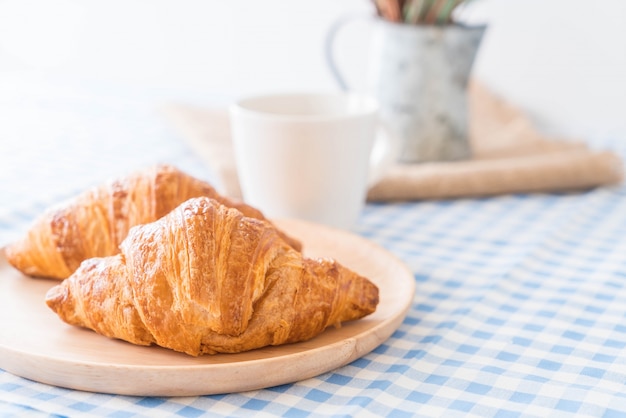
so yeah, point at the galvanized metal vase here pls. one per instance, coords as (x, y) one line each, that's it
(420, 74)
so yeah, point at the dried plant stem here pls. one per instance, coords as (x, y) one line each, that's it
(389, 9)
(427, 12)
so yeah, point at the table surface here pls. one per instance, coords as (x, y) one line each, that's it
(520, 308)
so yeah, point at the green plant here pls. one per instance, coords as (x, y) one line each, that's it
(425, 12)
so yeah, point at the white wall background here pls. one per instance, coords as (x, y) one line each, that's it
(562, 60)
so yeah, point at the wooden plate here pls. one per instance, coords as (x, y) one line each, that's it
(36, 344)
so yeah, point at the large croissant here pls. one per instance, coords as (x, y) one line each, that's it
(206, 279)
(94, 223)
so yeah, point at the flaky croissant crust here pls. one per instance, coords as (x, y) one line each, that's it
(94, 223)
(206, 279)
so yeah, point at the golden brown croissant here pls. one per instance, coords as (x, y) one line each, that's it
(206, 279)
(94, 223)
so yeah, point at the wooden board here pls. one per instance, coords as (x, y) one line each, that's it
(36, 344)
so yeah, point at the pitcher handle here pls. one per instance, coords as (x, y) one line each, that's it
(329, 46)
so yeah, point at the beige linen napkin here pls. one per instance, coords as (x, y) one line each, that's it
(509, 156)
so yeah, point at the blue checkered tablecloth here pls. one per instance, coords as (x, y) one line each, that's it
(520, 309)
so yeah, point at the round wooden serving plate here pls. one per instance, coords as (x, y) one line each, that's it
(36, 344)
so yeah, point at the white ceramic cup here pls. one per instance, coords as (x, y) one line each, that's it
(309, 156)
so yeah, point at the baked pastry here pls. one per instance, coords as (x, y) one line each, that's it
(206, 279)
(94, 223)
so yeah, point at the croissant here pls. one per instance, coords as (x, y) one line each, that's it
(94, 223)
(206, 279)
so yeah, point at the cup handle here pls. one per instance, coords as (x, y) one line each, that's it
(385, 153)
(329, 47)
